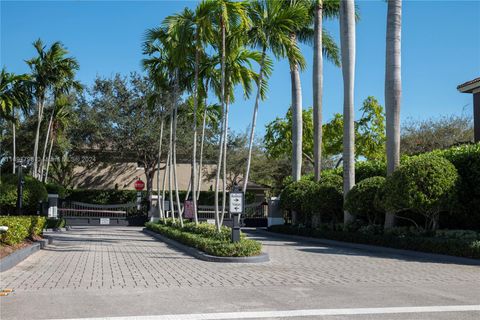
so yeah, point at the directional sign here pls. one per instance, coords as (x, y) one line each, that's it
(236, 202)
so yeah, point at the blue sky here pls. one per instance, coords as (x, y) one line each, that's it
(440, 49)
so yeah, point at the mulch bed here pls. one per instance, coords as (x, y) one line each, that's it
(5, 250)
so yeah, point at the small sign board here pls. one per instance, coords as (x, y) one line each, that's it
(211, 221)
(236, 202)
(104, 220)
(188, 209)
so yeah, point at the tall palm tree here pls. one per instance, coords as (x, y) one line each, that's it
(393, 90)
(48, 68)
(272, 23)
(227, 14)
(14, 93)
(347, 40)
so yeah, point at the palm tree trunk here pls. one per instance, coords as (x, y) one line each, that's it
(160, 209)
(14, 160)
(167, 167)
(170, 153)
(347, 40)
(194, 156)
(174, 152)
(297, 120)
(199, 181)
(224, 168)
(37, 138)
(49, 157)
(254, 120)
(45, 147)
(393, 91)
(219, 165)
(317, 89)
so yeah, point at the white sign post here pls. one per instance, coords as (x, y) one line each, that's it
(236, 206)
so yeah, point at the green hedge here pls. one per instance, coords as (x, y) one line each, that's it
(205, 238)
(53, 188)
(21, 228)
(52, 223)
(455, 246)
(33, 192)
(360, 200)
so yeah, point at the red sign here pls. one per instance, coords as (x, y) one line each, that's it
(139, 185)
(188, 209)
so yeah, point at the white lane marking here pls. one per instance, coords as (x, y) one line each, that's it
(295, 313)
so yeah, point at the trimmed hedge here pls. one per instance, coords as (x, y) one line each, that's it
(21, 228)
(461, 247)
(425, 184)
(33, 192)
(53, 188)
(53, 223)
(360, 200)
(204, 237)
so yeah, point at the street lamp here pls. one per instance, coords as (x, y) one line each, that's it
(20, 185)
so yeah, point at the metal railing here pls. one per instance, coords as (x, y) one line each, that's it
(81, 209)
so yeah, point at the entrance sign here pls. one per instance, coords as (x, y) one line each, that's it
(104, 220)
(236, 202)
(188, 209)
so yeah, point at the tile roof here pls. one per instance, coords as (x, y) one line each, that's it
(469, 83)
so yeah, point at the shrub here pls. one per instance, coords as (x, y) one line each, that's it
(21, 227)
(360, 200)
(54, 188)
(33, 192)
(292, 197)
(329, 198)
(53, 223)
(365, 169)
(424, 184)
(466, 159)
(205, 238)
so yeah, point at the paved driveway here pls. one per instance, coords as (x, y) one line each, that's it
(106, 271)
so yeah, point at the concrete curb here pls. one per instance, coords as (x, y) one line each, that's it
(263, 257)
(18, 256)
(376, 249)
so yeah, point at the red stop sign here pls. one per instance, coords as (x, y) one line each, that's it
(139, 185)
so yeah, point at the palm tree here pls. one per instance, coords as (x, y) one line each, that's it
(272, 23)
(63, 87)
(14, 93)
(48, 68)
(347, 40)
(226, 15)
(393, 90)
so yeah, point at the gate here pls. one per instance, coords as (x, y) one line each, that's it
(88, 214)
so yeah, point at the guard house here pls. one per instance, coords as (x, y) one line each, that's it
(473, 87)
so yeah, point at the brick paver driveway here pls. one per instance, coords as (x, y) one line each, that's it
(107, 271)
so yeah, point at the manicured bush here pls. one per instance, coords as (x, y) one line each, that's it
(52, 223)
(54, 188)
(33, 192)
(465, 247)
(205, 238)
(360, 200)
(292, 197)
(425, 184)
(365, 169)
(329, 198)
(21, 227)
(466, 212)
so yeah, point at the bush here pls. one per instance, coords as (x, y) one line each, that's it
(21, 227)
(419, 241)
(466, 159)
(424, 184)
(54, 188)
(360, 200)
(53, 223)
(365, 169)
(329, 198)
(33, 192)
(292, 197)
(205, 238)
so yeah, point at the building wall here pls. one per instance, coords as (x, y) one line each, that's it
(123, 175)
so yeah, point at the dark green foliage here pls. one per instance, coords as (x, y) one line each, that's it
(425, 184)
(54, 188)
(102, 196)
(455, 245)
(55, 223)
(205, 238)
(329, 197)
(292, 197)
(360, 200)
(466, 212)
(365, 169)
(33, 192)
(21, 228)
